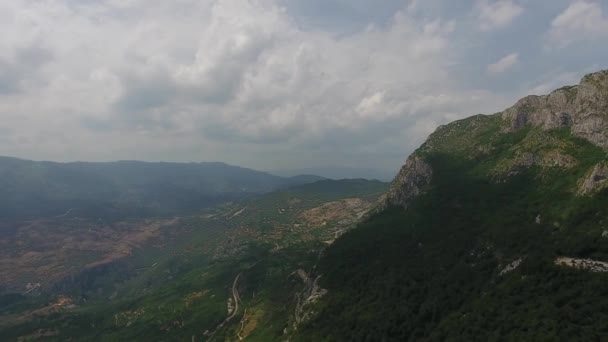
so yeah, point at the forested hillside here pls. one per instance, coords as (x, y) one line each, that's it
(495, 229)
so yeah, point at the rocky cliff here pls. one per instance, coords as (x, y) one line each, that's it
(583, 109)
(409, 183)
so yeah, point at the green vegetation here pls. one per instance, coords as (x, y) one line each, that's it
(181, 289)
(433, 271)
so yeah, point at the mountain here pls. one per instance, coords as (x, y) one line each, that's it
(494, 229)
(337, 172)
(304, 179)
(31, 189)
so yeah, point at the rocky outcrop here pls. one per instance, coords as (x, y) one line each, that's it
(594, 180)
(584, 108)
(583, 264)
(525, 160)
(409, 183)
(511, 267)
(549, 111)
(591, 116)
(311, 293)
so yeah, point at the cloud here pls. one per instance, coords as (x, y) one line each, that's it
(503, 64)
(21, 67)
(499, 14)
(582, 20)
(245, 82)
(246, 74)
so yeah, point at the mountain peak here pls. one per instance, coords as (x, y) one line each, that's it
(584, 108)
(493, 141)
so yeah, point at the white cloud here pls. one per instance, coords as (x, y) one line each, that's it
(494, 14)
(230, 80)
(503, 64)
(582, 20)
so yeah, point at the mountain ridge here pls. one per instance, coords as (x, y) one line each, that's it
(494, 229)
(41, 189)
(583, 108)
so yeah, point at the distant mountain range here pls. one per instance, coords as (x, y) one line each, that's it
(338, 172)
(30, 189)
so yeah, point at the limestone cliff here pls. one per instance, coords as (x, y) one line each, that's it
(409, 183)
(595, 180)
(582, 108)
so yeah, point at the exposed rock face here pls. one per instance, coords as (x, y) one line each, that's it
(595, 180)
(591, 118)
(311, 293)
(528, 159)
(583, 264)
(511, 267)
(549, 111)
(583, 107)
(409, 183)
(544, 159)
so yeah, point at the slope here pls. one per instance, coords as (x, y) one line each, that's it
(495, 229)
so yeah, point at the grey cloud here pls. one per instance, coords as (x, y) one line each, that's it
(33, 56)
(350, 16)
(24, 64)
(231, 134)
(142, 94)
(97, 125)
(9, 78)
(6, 134)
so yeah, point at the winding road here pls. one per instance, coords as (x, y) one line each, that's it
(236, 298)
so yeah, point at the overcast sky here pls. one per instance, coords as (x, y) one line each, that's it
(275, 84)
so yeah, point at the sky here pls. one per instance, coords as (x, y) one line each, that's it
(275, 84)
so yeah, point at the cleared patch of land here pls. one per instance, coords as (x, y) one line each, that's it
(45, 251)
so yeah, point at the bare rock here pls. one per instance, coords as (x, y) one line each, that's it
(408, 184)
(583, 107)
(548, 111)
(591, 116)
(511, 267)
(583, 264)
(594, 180)
(524, 160)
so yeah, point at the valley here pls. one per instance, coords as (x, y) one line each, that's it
(236, 253)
